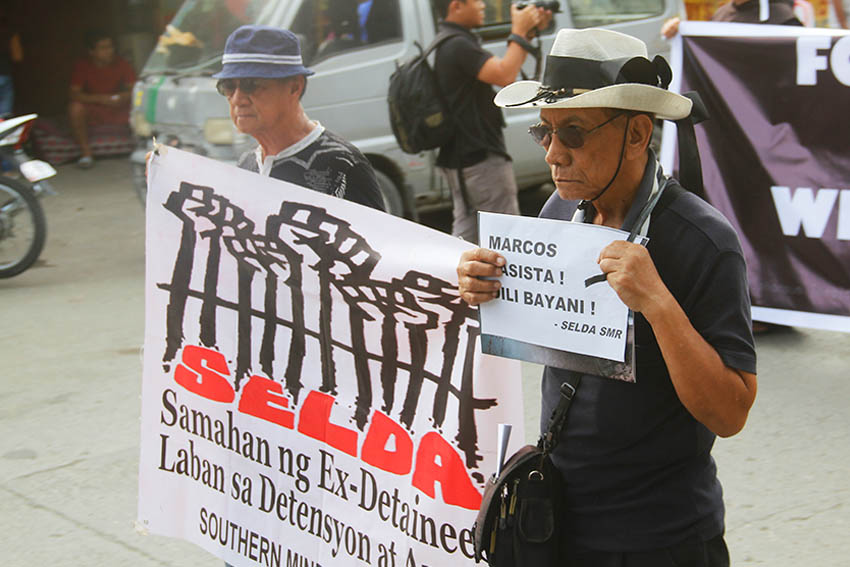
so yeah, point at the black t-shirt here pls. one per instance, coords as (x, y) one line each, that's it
(328, 165)
(479, 120)
(637, 466)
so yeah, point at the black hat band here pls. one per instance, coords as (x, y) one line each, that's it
(565, 77)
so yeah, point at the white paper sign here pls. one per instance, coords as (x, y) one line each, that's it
(545, 298)
(313, 391)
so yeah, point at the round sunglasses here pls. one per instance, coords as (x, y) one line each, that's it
(226, 87)
(571, 136)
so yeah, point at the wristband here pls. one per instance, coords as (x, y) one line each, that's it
(522, 42)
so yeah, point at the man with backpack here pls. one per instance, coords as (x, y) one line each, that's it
(466, 74)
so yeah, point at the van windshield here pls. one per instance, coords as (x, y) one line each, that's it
(194, 40)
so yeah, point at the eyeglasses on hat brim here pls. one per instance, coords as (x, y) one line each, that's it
(226, 87)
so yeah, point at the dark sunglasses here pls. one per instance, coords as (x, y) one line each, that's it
(226, 87)
(571, 136)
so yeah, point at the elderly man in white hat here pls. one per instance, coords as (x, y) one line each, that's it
(641, 483)
(264, 78)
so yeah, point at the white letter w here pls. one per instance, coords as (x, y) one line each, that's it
(803, 209)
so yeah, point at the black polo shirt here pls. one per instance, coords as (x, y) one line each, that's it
(637, 466)
(479, 120)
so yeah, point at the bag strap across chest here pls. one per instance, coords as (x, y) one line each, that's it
(549, 439)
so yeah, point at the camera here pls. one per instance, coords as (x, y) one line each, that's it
(552, 5)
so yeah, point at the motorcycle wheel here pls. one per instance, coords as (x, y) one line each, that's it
(22, 227)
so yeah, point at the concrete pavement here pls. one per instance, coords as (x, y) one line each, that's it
(69, 401)
(69, 409)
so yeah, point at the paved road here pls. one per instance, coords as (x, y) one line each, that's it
(69, 409)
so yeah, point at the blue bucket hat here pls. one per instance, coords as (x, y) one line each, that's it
(261, 52)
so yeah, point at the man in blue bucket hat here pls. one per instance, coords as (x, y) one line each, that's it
(263, 78)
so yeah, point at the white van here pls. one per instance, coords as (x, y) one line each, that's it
(353, 46)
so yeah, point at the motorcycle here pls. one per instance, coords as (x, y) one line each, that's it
(23, 228)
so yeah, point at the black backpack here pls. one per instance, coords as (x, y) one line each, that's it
(419, 113)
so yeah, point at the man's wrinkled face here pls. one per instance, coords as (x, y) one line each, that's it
(265, 107)
(103, 51)
(582, 172)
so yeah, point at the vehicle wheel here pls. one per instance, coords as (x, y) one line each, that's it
(22, 227)
(390, 194)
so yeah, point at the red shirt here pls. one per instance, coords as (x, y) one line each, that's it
(116, 77)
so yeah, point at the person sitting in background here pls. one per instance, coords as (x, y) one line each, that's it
(100, 91)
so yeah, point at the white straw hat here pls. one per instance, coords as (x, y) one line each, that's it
(599, 68)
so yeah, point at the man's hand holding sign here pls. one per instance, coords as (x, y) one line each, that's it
(476, 274)
(629, 270)
(721, 403)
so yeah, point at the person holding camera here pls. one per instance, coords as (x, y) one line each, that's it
(635, 457)
(466, 74)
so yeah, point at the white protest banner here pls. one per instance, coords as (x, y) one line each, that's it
(313, 390)
(545, 298)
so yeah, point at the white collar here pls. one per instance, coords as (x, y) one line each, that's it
(264, 166)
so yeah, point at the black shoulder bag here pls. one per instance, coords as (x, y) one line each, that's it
(522, 510)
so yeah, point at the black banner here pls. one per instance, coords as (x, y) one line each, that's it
(776, 160)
